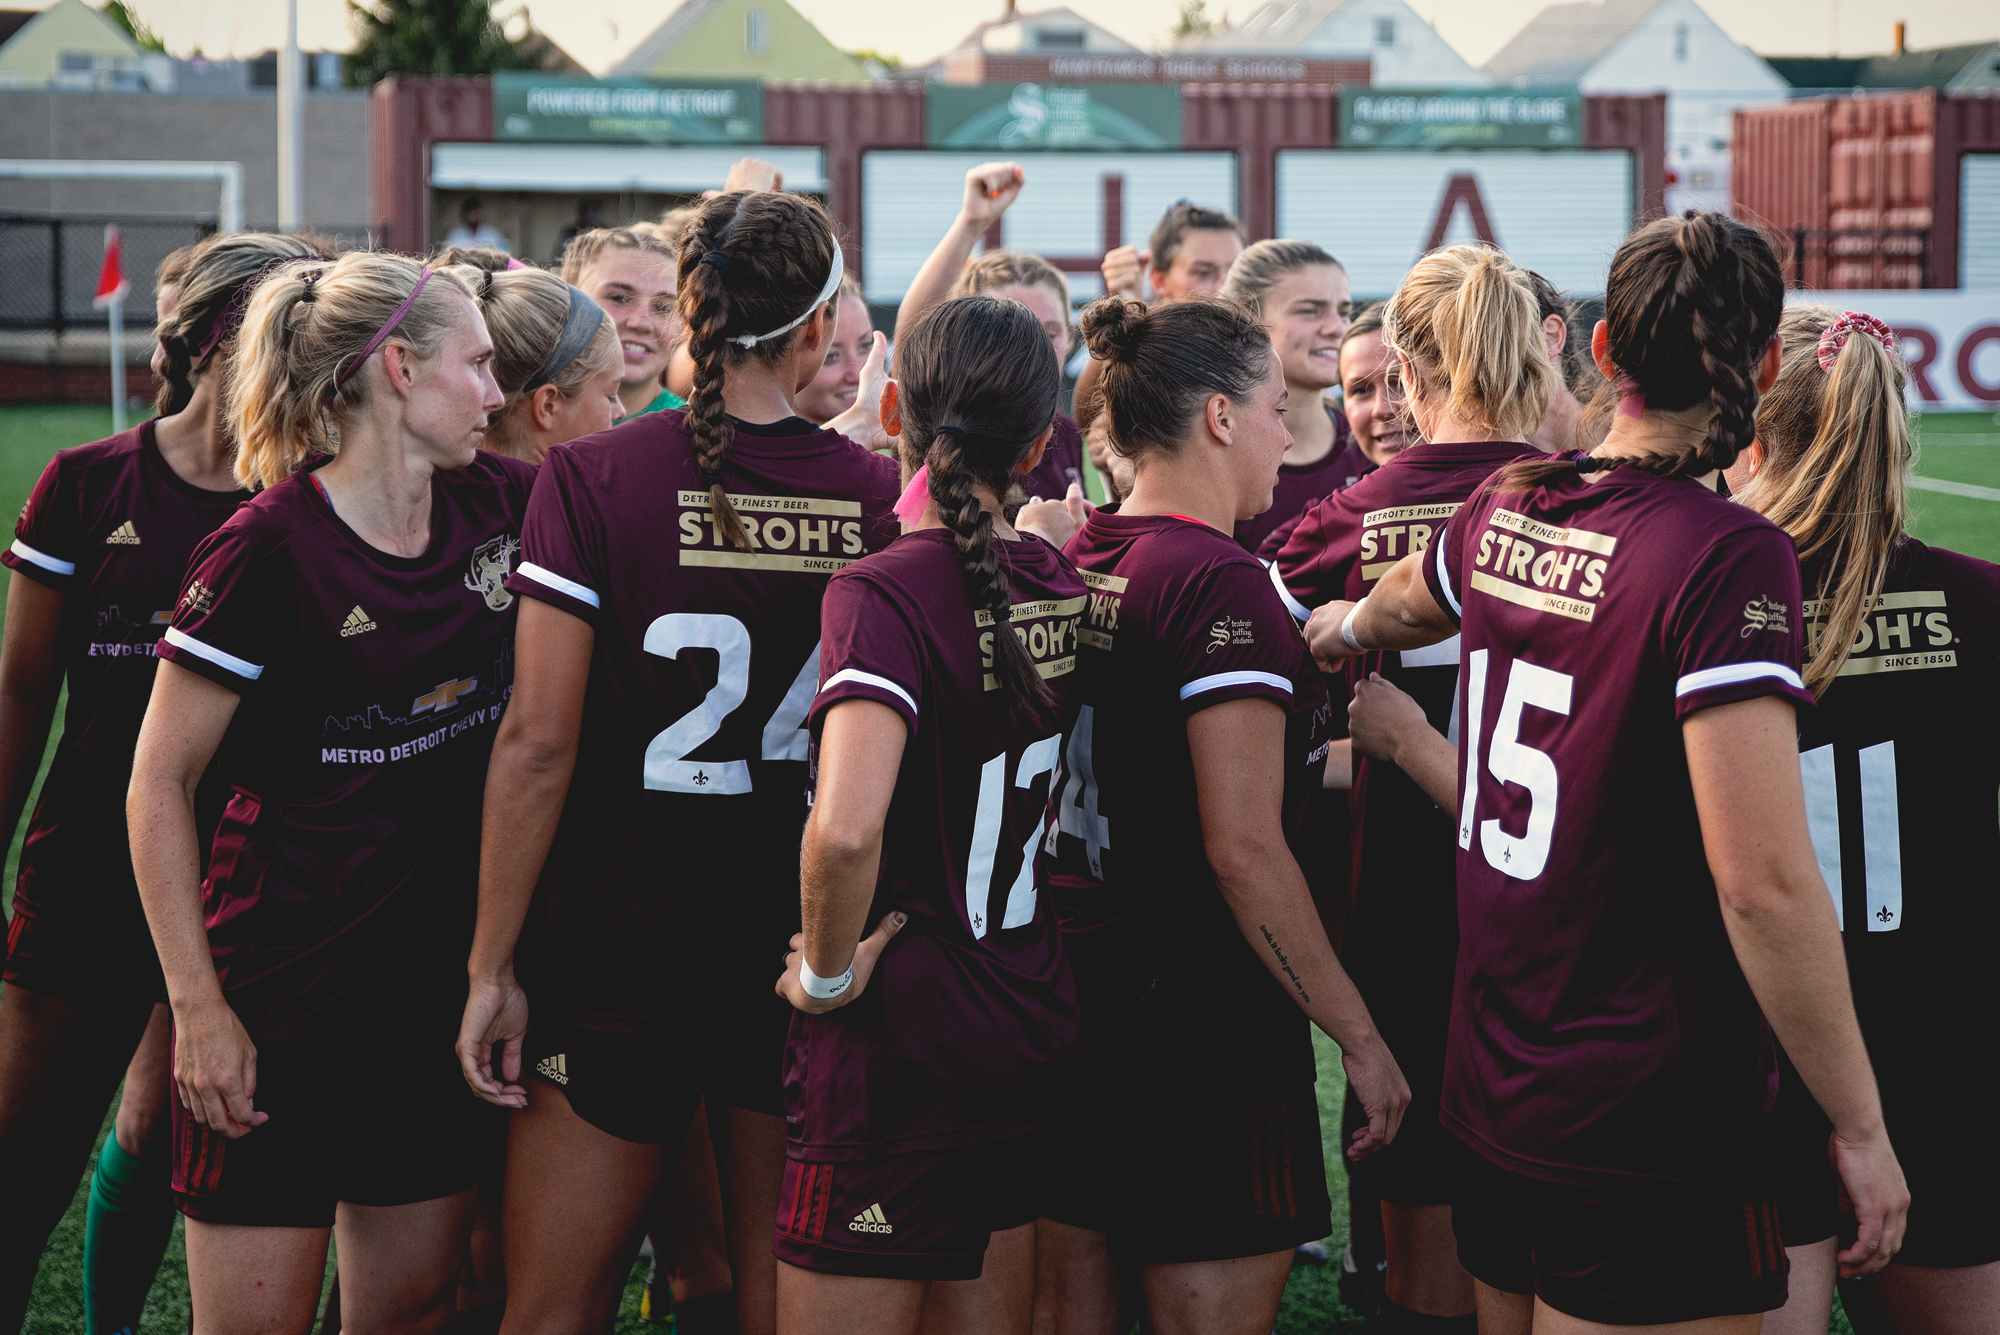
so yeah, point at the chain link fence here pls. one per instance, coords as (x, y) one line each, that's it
(49, 265)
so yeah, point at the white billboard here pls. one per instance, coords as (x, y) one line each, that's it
(1951, 340)
(1561, 214)
(1071, 206)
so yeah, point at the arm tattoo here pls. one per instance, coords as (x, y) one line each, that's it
(1284, 963)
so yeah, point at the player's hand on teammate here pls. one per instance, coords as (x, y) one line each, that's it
(793, 989)
(749, 174)
(1055, 522)
(1323, 635)
(990, 188)
(1872, 1186)
(496, 1014)
(1378, 1083)
(862, 422)
(1381, 716)
(1115, 466)
(1124, 272)
(215, 1069)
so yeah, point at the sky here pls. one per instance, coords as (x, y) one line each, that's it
(598, 32)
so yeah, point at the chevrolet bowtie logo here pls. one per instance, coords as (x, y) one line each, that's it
(445, 696)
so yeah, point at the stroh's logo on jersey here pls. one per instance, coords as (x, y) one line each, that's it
(122, 536)
(198, 598)
(793, 534)
(1394, 533)
(492, 562)
(871, 1220)
(1106, 593)
(1228, 631)
(357, 623)
(1541, 567)
(1048, 630)
(1901, 632)
(1763, 614)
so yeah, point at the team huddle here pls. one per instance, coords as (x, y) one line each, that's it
(551, 759)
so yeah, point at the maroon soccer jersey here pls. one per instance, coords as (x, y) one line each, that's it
(110, 526)
(968, 1030)
(680, 841)
(1299, 485)
(1180, 619)
(345, 870)
(1601, 1030)
(1062, 463)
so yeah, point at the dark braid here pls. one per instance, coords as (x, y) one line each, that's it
(749, 262)
(978, 385)
(215, 290)
(1691, 303)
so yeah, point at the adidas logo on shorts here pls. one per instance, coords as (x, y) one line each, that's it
(870, 1220)
(554, 1069)
(124, 535)
(357, 622)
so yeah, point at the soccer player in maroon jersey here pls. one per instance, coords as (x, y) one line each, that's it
(1901, 763)
(97, 562)
(936, 1056)
(1637, 889)
(341, 651)
(555, 357)
(1466, 331)
(672, 571)
(1301, 294)
(1199, 954)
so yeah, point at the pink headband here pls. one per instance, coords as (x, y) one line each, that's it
(513, 264)
(1835, 337)
(910, 506)
(1631, 399)
(382, 334)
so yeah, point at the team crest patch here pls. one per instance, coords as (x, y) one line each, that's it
(1763, 614)
(492, 562)
(198, 598)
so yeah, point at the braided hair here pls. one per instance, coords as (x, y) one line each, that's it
(979, 384)
(1691, 303)
(216, 283)
(749, 262)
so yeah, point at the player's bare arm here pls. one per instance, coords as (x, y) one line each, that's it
(215, 1063)
(534, 755)
(1386, 723)
(30, 683)
(990, 189)
(861, 750)
(1744, 767)
(1241, 795)
(1399, 613)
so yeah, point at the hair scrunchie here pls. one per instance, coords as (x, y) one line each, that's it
(1835, 337)
(720, 259)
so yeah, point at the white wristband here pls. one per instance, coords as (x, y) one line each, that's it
(1347, 628)
(825, 989)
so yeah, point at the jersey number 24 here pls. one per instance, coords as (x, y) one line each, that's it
(667, 769)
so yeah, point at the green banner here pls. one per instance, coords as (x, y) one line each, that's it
(1462, 118)
(1019, 116)
(571, 109)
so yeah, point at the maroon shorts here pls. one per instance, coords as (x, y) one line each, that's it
(1622, 1258)
(370, 1121)
(89, 944)
(626, 1085)
(920, 1216)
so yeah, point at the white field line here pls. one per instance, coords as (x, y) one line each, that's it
(1956, 488)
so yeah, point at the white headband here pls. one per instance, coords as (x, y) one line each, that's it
(833, 278)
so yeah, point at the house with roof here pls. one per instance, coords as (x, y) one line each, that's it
(739, 39)
(1651, 46)
(1403, 50)
(1972, 68)
(75, 48)
(1045, 44)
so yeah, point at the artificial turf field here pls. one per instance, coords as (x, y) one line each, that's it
(1960, 448)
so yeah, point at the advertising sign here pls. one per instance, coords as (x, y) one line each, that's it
(1951, 340)
(1461, 118)
(571, 109)
(1022, 116)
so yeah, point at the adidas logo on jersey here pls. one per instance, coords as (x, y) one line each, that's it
(554, 1069)
(357, 622)
(871, 1220)
(123, 536)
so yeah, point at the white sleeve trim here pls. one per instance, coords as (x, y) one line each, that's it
(860, 678)
(1731, 673)
(543, 575)
(42, 559)
(1292, 605)
(1222, 679)
(1444, 574)
(243, 668)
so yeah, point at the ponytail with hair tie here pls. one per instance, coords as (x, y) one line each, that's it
(1835, 337)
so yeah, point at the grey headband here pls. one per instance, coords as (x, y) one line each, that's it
(585, 317)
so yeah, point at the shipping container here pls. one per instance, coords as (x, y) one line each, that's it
(1870, 191)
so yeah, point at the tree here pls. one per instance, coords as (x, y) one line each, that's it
(1193, 20)
(426, 37)
(142, 36)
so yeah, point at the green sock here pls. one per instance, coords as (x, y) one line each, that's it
(125, 1234)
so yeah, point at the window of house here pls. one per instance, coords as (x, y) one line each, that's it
(1385, 31)
(1680, 41)
(756, 30)
(73, 61)
(1059, 39)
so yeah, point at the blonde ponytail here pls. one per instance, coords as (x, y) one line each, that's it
(1468, 319)
(1837, 459)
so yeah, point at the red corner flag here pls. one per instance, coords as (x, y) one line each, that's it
(111, 284)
